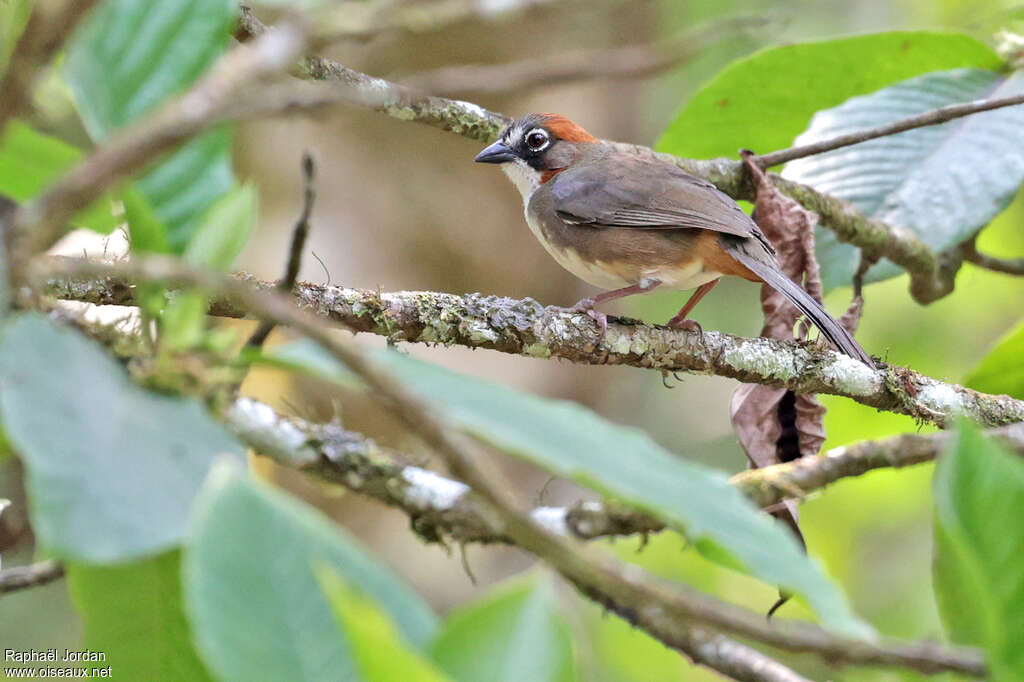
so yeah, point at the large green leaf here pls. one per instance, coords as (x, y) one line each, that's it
(765, 100)
(942, 182)
(252, 594)
(133, 613)
(1002, 370)
(127, 58)
(979, 541)
(511, 634)
(624, 463)
(30, 161)
(112, 469)
(379, 653)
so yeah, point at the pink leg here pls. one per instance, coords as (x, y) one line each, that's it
(680, 321)
(587, 304)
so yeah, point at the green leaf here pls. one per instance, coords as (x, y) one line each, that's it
(183, 322)
(133, 614)
(979, 540)
(147, 232)
(512, 634)
(370, 633)
(252, 594)
(765, 100)
(188, 182)
(1002, 370)
(112, 469)
(944, 182)
(30, 161)
(224, 229)
(221, 234)
(623, 463)
(131, 55)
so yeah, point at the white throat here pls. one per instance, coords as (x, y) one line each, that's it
(525, 178)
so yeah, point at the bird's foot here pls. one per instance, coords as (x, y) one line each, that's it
(665, 374)
(586, 306)
(687, 325)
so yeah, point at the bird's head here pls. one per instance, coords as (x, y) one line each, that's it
(533, 149)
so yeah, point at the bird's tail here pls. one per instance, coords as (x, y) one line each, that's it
(832, 330)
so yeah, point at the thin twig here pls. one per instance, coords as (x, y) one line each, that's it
(633, 61)
(33, 575)
(1009, 266)
(524, 327)
(45, 33)
(928, 118)
(298, 244)
(363, 21)
(668, 611)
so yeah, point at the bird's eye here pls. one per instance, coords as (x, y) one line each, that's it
(536, 140)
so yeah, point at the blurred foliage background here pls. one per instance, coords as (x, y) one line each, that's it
(403, 207)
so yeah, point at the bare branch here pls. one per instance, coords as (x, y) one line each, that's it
(633, 61)
(668, 611)
(45, 33)
(298, 243)
(362, 21)
(33, 575)
(928, 118)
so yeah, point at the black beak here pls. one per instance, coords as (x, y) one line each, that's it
(496, 153)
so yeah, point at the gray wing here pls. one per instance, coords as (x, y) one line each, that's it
(627, 191)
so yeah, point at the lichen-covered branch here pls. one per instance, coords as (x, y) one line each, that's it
(441, 508)
(524, 327)
(770, 485)
(347, 85)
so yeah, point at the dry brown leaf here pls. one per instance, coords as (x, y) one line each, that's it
(775, 425)
(772, 424)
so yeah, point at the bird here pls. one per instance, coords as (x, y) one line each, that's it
(629, 222)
